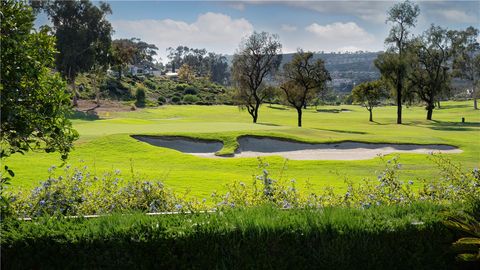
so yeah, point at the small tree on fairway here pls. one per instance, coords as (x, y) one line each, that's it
(258, 57)
(369, 94)
(303, 80)
(34, 102)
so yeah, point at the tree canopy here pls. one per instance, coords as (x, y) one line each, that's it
(34, 101)
(369, 94)
(402, 16)
(303, 79)
(83, 36)
(258, 56)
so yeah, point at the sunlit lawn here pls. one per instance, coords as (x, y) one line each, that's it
(105, 145)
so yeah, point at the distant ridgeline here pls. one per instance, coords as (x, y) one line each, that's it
(345, 68)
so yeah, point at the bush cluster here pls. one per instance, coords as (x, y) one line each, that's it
(77, 192)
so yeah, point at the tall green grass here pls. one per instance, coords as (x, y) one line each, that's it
(386, 237)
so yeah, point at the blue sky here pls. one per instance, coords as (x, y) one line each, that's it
(312, 25)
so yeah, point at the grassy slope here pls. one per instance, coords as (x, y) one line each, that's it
(106, 145)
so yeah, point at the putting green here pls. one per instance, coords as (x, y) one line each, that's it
(106, 145)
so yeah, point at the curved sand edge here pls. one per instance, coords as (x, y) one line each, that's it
(256, 146)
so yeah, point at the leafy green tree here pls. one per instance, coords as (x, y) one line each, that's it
(34, 101)
(83, 33)
(186, 73)
(402, 16)
(258, 56)
(430, 77)
(123, 51)
(370, 95)
(466, 61)
(302, 80)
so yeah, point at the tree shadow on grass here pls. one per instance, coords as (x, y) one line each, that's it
(333, 110)
(268, 124)
(454, 126)
(278, 108)
(342, 131)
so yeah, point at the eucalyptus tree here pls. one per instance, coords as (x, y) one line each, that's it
(82, 32)
(430, 74)
(302, 80)
(392, 65)
(258, 57)
(466, 58)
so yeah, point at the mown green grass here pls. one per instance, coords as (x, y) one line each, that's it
(105, 144)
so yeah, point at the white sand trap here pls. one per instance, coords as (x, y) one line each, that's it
(251, 146)
(186, 145)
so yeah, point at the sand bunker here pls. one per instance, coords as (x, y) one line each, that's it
(251, 146)
(197, 147)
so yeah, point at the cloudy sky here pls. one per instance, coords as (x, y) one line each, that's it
(312, 25)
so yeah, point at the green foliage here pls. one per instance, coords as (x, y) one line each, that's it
(181, 86)
(140, 97)
(468, 246)
(83, 35)
(175, 99)
(253, 238)
(190, 99)
(190, 90)
(161, 100)
(303, 80)
(34, 104)
(77, 192)
(369, 94)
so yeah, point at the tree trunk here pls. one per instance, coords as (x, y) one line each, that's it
(255, 113)
(475, 105)
(74, 93)
(371, 115)
(429, 113)
(438, 104)
(399, 103)
(299, 113)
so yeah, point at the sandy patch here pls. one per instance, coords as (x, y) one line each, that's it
(250, 146)
(183, 144)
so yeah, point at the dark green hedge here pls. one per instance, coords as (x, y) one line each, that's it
(258, 238)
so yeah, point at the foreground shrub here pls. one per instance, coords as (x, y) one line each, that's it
(140, 97)
(77, 192)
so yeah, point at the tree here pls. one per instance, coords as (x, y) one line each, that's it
(430, 77)
(369, 94)
(34, 102)
(402, 16)
(123, 51)
(466, 51)
(258, 56)
(81, 29)
(303, 79)
(186, 74)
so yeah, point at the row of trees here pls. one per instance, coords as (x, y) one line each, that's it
(201, 62)
(258, 60)
(422, 67)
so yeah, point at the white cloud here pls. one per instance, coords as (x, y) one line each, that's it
(288, 28)
(340, 36)
(213, 31)
(371, 11)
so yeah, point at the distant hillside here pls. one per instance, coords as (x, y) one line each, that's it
(345, 68)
